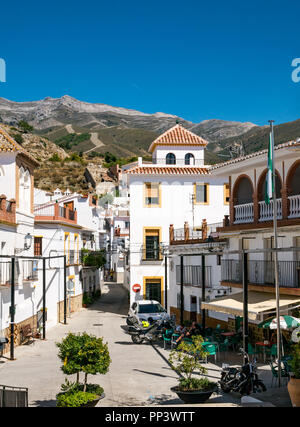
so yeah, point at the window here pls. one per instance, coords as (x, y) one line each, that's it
(170, 159)
(151, 244)
(152, 194)
(189, 159)
(67, 246)
(201, 192)
(38, 248)
(226, 194)
(76, 248)
(153, 290)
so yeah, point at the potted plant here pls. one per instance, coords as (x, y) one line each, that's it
(82, 353)
(294, 383)
(185, 360)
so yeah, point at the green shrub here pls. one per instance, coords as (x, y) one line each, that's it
(55, 158)
(25, 127)
(196, 384)
(295, 362)
(18, 138)
(71, 400)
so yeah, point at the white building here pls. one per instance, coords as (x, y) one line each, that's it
(50, 226)
(250, 227)
(176, 189)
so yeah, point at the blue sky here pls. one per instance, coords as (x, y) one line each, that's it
(200, 60)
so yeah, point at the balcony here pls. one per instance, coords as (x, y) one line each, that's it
(121, 232)
(151, 253)
(192, 276)
(197, 234)
(7, 210)
(55, 213)
(262, 273)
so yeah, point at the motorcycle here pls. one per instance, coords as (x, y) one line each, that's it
(243, 380)
(151, 333)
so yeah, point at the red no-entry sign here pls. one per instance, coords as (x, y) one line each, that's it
(136, 287)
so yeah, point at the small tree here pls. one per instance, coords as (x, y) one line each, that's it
(84, 353)
(106, 199)
(185, 360)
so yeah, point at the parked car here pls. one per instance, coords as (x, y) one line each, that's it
(146, 310)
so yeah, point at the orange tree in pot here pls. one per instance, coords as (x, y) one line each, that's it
(294, 383)
(186, 360)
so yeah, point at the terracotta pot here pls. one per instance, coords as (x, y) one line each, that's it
(294, 391)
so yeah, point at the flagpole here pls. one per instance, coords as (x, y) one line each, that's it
(276, 253)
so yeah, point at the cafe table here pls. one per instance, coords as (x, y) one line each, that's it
(263, 344)
(228, 334)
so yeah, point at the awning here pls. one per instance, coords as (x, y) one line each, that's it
(258, 302)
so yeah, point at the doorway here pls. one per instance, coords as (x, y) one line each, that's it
(153, 289)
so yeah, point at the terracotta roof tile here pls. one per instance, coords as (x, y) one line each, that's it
(255, 154)
(8, 144)
(178, 135)
(167, 170)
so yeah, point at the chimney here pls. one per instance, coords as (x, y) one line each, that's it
(140, 161)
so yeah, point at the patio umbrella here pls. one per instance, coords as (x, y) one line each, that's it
(286, 322)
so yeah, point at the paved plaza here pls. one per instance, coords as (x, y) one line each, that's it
(138, 375)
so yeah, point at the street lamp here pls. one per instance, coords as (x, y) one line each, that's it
(27, 241)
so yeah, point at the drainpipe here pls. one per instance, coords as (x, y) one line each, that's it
(203, 291)
(12, 309)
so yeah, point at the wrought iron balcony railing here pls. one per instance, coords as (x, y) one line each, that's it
(262, 272)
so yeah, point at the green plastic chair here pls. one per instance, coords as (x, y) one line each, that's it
(174, 337)
(251, 350)
(223, 347)
(167, 337)
(274, 370)
(271, 352)
(212, 350)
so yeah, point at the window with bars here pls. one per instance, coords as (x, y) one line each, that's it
(38, 246)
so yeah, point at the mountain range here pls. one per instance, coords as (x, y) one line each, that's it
(86, 127)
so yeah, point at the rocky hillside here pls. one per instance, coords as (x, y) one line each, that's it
(57, 168)
(84, 127)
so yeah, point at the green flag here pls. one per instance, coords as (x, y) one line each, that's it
(269, 177)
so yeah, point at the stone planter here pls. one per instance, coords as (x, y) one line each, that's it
(195, 396)
(93, 403)
(294, 391)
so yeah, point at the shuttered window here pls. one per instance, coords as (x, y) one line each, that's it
(38, 248)
(152, 194)
(201, 193)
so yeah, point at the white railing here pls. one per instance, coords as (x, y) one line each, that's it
(44, 210)
(266, 211)
(294, 206)
(243, 213)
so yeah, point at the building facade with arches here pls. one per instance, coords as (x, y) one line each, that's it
(249, 224)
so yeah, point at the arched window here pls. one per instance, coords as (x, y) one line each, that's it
(189, 159)
(171, 159)
(262, 186)
(294, 180)
(244, 192)
(2, 171)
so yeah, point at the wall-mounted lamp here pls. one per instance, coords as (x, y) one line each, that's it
(27, 241)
